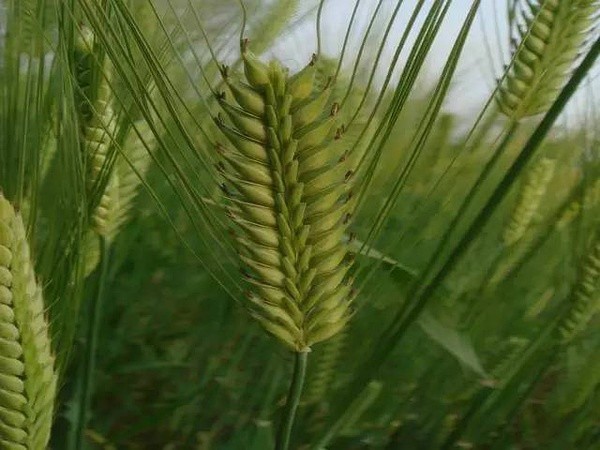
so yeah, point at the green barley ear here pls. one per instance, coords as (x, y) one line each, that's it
(590, 200)
(124, 182)
(120, 195)
(548, 43)
(129, 167)
(89, 73)
(98, 127)
(288, 190)
(27, 377)
(586, 380)
(585, 296)
(325, 368)
(530, 198)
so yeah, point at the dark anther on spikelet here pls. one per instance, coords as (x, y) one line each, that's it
(289, 199)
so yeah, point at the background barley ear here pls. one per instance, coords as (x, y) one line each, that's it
(288, 200)
(585, 296)
(27, 378)
(548, 41)
(323, 374)
(98, 126)
(131, 166)
(114, 210)
(530, 197)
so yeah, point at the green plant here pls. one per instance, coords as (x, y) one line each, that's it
(432, 275)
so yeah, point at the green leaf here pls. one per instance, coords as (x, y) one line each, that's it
(457, 344)
(359, 247)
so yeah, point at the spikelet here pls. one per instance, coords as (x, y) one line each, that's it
(585, 295)
(27, 378)
(288, 198)
(529, 201)
(548, 42)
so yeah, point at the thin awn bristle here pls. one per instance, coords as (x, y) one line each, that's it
(289, 200)
(27, 377)
(549, 41)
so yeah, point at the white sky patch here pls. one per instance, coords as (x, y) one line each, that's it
(483, 57)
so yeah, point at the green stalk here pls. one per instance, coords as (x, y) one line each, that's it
(83, 391)
(293, 399)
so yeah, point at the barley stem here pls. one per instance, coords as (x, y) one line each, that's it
(83, 396)
(293, 399)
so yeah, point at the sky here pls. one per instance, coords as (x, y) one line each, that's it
(482, 59)
(476, 74)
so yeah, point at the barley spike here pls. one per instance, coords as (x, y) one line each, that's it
(27, 377)
(288, 200)
(97, 123)
(547, 44)
(530, 198)
(129, 167)
(585, 295)
(581, 389)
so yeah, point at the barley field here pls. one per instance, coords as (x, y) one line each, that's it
(299, 225)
